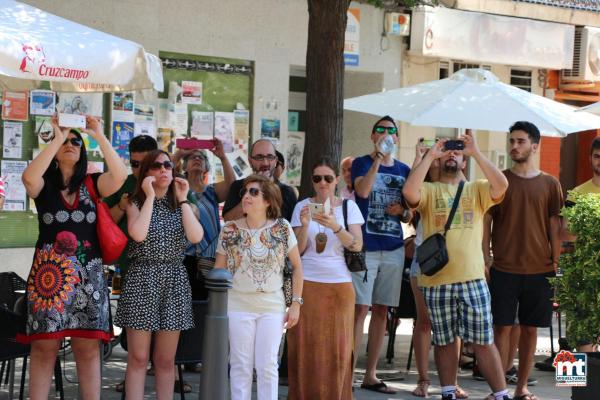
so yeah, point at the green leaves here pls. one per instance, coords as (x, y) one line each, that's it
(578, 291)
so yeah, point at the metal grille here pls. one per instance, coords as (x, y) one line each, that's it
(521, 78)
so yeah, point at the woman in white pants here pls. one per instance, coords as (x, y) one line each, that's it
(254, 249)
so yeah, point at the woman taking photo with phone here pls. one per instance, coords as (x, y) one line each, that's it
(320, 347)
(156, 296)
(254, 250)
(66, 290)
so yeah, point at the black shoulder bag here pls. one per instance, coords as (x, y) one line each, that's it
(355, 260)
(432, 254)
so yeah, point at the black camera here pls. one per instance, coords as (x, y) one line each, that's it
(454, 145)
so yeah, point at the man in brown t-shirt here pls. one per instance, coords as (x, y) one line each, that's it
(526, 246)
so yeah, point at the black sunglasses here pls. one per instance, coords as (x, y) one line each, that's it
(318, 178)
(74, 141)
(157, 165)
(254, 192)
(262, 157)
(135, 163)
(390, 129)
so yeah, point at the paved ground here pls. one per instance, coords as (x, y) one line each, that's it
(114, 368)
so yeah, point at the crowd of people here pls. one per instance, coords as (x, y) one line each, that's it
(502, 233)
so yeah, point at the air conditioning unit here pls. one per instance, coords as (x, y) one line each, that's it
(397, 24)
(586, 56)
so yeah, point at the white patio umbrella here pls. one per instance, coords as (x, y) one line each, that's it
(37, 46)
(476, 99)
(593, 108)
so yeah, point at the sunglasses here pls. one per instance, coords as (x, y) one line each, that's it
(319, 178)
(262, 157)
(135, 163)
(74, 142)
(195, 157)
(156, 165)
(390, 129)
(254, 192)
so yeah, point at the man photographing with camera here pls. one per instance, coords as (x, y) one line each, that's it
(457, 296)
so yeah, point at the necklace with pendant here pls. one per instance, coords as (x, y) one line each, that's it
(254, 231)
(320, 240)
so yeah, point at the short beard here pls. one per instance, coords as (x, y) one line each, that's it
(523, 159)
(596, 171)
(450, 169)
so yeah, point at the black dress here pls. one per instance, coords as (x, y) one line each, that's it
(67, 294)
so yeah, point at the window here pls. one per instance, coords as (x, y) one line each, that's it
(521, 78)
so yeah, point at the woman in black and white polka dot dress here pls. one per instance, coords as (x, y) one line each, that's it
(156, 296)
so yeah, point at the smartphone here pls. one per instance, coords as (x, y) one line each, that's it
(454, 145)
(71, 120)
(193, 143)
(428, 142)
(316, 208)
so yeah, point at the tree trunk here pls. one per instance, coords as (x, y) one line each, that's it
(324, 85)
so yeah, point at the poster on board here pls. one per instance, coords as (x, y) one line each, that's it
(42, 102)
(224, 124)
(269, 128)
(295, 152)
(15, 195)
(15, 106)
(79, 103)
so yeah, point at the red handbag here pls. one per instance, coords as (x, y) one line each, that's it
(111, 238)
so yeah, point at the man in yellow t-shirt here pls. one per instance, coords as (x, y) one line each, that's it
(457, 296)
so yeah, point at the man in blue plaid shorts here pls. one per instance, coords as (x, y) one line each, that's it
(457, 297)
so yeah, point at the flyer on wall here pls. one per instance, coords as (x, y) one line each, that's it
(43, 130)
(242, 125)
(79, 103)
(15, 194)
(13, 140)
(122, 106)
(295, 152)
(202, 124)
(269, 128)
(122, 133)
(238, 162)
(191, 92)
(42, 102)
(15, 106)
(224, 129)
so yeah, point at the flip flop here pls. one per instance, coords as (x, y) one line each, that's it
(379, 387)
(461, 393)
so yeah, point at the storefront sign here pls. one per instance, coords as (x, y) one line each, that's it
(352, 38)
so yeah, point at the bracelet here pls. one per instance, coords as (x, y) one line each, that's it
(379, 154)
(184, 202)
(338, 231)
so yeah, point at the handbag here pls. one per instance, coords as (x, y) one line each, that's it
(432, 254)
(288, 291)
(355, 260)
(111, 238)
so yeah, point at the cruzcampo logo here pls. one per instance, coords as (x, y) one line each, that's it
(571, 368)
(34, 62)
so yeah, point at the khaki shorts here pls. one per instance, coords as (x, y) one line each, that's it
(384, 278)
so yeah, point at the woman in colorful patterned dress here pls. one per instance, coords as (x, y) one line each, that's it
(66, 290)
(254, 249)
(156, 296)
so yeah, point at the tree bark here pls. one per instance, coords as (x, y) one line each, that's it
(325, 85)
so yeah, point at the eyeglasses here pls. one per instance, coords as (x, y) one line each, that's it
(262, 157)
(196, 157)
(74, 141)
(254, 192)
(390, 129)
(135, 163)
(319, 178)
(156, 165)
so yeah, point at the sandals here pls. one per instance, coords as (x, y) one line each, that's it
(187, 388)
(379, 387)
(461, 393)
(422, 389)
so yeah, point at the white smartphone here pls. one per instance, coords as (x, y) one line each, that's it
(315, 208)
(71, 120)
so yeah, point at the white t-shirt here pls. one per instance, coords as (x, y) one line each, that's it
(328, 266)
(256, 259)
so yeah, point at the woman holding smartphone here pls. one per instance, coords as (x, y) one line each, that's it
(156, 296)
(320, 347)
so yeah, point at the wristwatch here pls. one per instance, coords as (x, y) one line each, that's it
(184, 202)
(298, 300)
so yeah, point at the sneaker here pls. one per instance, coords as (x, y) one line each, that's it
(511, 377)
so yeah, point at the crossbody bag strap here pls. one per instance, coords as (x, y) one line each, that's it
(345, 212)
(89, 184)
(454, 207)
